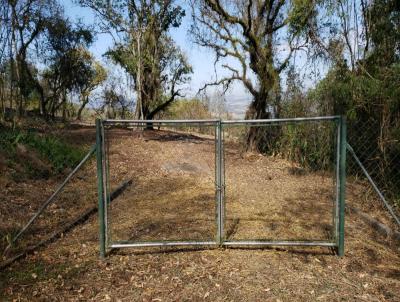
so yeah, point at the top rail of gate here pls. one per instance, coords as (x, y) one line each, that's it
(225, 122)
(281, 120)
(119, 121)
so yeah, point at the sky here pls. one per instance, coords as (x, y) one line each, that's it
(201, 59)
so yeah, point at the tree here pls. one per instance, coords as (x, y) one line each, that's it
(23, 23)
(363, 82)
(250, 33)
(383, 19)
(145, 50)
(357, 33)
(160, 85)
(294, 100)
(70, 63)
(114, 101)
(96, 75)
(41, 54)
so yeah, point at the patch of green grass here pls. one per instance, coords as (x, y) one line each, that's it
(60, 154)
(48, 148)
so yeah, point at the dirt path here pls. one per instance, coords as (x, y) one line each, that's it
(172, 197)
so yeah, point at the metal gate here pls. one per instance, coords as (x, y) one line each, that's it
(222, 133)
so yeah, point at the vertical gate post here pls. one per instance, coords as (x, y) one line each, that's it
(342, 184)
(100, 188)
(219, 184)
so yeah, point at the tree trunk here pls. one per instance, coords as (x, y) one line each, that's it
(262, 138)
(42, 102)
(53, 107)
(2, 98)
(85, 101)
(255, 137)
(64, 105)
(148, 116)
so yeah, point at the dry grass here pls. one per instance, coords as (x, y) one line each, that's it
(172, 197)
(23, 196)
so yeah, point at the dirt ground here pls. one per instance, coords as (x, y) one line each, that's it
(172, 197)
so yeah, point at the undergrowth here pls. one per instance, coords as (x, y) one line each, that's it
(48, 148)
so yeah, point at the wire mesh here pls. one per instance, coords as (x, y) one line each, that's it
(173, 193)
(378, 149)
(197, 182)
(288, 191)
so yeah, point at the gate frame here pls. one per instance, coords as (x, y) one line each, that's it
(104, 194)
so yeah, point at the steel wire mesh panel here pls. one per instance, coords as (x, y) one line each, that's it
(378, 148)
(264, 182)
(172, 195)
(281, 181)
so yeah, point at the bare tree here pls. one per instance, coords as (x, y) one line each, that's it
(260, 36)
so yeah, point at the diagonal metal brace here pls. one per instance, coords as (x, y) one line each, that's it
(385, 202)
(52, 197)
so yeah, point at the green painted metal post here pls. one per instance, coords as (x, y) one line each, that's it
(342, 184)
(100, 188)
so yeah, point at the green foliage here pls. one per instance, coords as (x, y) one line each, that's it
(188, 109)
(159, 70)
(333, 95)
(384, 26)
(301, 13)
(68, 63)
(312, 145)
(147, 52)
(71, 63)
(368, 96)
(57, 152)
(123, 56)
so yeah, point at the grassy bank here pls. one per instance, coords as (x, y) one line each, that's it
(29, 153)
